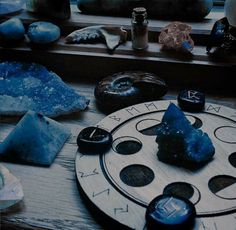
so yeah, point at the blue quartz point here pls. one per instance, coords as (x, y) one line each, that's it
(179, 142)
(36, 139)
(170, 212)
(12, 30)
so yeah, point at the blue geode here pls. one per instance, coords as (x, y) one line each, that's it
(35, 139)
(30, 86)
(12, 30)
(180, 143)
(43, 32)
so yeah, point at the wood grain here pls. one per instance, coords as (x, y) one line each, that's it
(122, 184)
(52, 200)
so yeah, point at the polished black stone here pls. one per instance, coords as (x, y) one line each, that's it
(170, 212)
(93, 140)
(191, 100)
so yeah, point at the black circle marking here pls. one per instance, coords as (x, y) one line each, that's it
(126, 145)
(137, 175)
(232, 159)
(180, 189)
(184, 190)
(197, 123)
(148, 126)
(223, 131)
(218, 184)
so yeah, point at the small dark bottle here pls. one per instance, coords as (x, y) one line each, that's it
(139, 30)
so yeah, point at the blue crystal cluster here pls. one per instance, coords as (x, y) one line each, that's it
(29, 86)
(179, 142)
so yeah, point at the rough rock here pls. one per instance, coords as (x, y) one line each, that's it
(176, 36)
(30, 86)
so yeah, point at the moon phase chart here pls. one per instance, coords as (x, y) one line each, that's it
(122, 182)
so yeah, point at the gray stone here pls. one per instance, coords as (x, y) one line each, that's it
(12, 30)
(43, 32)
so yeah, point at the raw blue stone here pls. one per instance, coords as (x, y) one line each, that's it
(179, 142)
(12, 30)
(35, 139)
(30, 86)
(43, 32)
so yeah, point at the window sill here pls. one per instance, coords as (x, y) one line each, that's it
(73, 62)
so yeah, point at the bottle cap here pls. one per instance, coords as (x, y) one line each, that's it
(139, 10)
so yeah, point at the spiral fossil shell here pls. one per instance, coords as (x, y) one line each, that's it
(128, 88)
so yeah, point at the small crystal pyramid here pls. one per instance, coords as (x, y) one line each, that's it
(35, 139)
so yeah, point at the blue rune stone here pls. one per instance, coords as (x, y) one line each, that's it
(179, 142)
(219, 33)
(170, 212)
(12, 30)
(35, 139)
(191, 100)
(93, 140)
(30, 86)
(43, 32)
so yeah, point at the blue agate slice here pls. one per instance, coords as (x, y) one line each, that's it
(29, 86)
(180, 143)
(36, 139)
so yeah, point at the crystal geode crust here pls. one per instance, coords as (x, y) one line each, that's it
(176, 36)
(30, 86)
(180, 143)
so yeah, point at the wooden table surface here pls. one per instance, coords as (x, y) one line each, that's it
(51, 198)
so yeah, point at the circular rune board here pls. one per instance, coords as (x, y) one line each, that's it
(122, 182)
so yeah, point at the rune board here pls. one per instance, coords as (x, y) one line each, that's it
(121, 182)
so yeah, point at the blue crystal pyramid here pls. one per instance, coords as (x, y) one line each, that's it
(30, 86)
(35, 139)
(179, 142)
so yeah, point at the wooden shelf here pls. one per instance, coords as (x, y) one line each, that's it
(92, 61)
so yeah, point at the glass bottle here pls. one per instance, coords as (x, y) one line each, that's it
(230, 11)
(10, 6)
(139, 29)
(59, 9)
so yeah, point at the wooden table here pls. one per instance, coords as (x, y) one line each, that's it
(51, 198)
